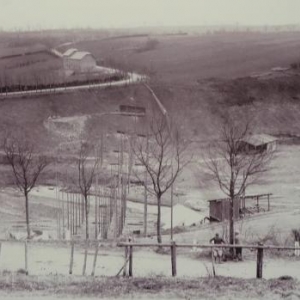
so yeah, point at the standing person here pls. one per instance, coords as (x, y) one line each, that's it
(218, 252)
(238, 250)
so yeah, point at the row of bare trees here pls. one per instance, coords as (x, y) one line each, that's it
(163, 155)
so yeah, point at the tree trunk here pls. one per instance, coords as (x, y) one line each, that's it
(158, 218)
(86, 218)
(231, 225)
(27, 214)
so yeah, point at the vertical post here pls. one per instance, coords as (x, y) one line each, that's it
(78, 208)
(73, 213)
(96, 216)
(26, 257)
(213, 262)
(172, 209)
(63, 215)
(95, 258)
(76, 214)
(173, 258)
(85, 258)
(130, 261)
(125, 262)
(145, 190)
(259, 262)
(68, 211)
(72, 258)
(268, 202)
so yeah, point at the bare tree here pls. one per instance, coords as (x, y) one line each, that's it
(26, 166)
(162, 155)
(86, 171)
(233, 166)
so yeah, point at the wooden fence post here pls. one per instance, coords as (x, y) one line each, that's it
(130, 261)
(259, 262)
(173, 258)
(85, 258)
(125, 262)
(72, 258)
(95, 259)
(26, 257)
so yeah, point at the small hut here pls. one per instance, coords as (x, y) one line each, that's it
(258, 143)
(219, 209)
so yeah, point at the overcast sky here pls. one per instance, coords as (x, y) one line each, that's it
(35, 14)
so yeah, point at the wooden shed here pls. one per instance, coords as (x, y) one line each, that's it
(219, 209)
(258, 143)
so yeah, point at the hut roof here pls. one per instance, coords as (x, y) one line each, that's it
(259, 139)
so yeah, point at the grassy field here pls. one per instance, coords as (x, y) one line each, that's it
(146, 288)
(187, 59)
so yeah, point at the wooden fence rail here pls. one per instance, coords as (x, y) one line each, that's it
(129, 246)
(259, 248)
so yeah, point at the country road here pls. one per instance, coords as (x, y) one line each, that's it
(132, 79)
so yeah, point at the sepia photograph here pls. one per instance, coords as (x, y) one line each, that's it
(150, 149)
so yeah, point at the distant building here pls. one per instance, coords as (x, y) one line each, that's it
(258, 143)
(78, 61)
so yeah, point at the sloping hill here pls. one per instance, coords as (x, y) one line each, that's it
(185, 59)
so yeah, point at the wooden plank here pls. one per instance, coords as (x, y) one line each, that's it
(125, 262)
(205, 246)
(130, 273)
(71, 258)
(26, 257)
(85, 258)
(96, 217)
(259, 262)
(173, 259)
(95, 259)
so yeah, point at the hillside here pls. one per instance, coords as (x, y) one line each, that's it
(186, 59)
(197, 78)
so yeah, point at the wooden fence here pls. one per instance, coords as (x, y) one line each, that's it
(129, 246)
(173, 246)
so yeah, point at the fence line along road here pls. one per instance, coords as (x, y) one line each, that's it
(129, 252)
(259, 247)
(133, 78)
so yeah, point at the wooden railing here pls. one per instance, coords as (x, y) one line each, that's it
(129, 246)
(259, 258)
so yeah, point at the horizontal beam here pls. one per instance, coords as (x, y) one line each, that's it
(60, 242)
(241, 197)
(94, 242)
(206, 246)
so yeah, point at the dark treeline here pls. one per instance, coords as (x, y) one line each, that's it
(42, 86)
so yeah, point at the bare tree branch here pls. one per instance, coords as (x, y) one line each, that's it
(232, 166)
(162, 155)
(26, 166)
